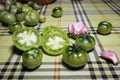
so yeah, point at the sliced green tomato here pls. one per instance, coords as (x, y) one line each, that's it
(55, 44)
(27, 38)
(53, 30)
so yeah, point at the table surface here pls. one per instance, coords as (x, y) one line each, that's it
(89, 13)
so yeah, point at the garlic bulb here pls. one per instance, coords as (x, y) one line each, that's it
(76, 29)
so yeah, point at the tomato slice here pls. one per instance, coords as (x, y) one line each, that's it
(48, 30)
(54, 40)
(26, 38)
(55, 44)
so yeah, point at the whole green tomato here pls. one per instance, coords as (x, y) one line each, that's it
(104, 27)
(32, 18)
(13, 9)
(20, 16)
(26, 8)
(75, 56)
(9, 18)
(57, 12)
(2, 14)
(86, 42)
(15, 26)
(32, 58)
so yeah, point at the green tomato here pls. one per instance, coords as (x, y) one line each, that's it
(42, 18)
(32, 18)
(2, 14)
(54, 40)
(32, 58)
(75, 56)
(26, 8)
(9, 18)
(15, 26)
(19, 5)
(104, 27)
(48, 30)
(20, 16)
(13, 9)
(54, 44)
(57, 12)
(86, 42)
(26, 38)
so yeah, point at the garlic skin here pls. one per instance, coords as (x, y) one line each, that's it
(110, 55)
(76, 29)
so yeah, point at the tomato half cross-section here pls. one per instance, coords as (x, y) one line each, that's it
(54, 40)
(32, 58)
(26, 38)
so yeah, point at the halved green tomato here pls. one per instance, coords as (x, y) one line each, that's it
(48, 30)
(55, 44)
(26, 38)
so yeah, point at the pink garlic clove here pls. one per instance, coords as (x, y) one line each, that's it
(77, 28)
(110, 55)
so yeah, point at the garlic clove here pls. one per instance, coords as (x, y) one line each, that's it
(110, 55)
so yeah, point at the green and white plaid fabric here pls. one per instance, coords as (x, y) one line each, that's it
(89, 13)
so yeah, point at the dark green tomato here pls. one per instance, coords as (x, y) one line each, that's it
(32, 58)
(57, 12)
(26, 38)
(15, 26)
(32, 18)
(20, 16)
(9, 18)
(75, 57)
(86, 42)
(2, 14)
(30, 3)
(104, 27)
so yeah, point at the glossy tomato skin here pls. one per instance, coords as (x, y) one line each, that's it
(20, 16)
(75, 57)
(9, 18)
(57, 12)
(32, 18)
(32, 58)
(86, 42)
(15, 26)
(104, 27)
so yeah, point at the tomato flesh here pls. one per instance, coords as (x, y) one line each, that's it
(26, 38)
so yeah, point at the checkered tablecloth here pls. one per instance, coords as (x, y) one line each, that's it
(89, 13)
